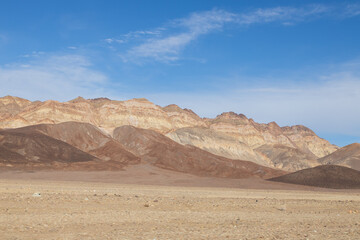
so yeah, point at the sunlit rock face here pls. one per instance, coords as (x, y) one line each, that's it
(102, 112)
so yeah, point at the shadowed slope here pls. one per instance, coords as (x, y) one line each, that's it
(33, 148)
(346, 156)
(327, 176)
(29, 149)
(88, 138)
(163, 152)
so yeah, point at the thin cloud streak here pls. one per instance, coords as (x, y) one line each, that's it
(286, 14)
(168, 48)
(166, 44)
(134, 35)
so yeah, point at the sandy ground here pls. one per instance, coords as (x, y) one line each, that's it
(146, 174)
(121, 209)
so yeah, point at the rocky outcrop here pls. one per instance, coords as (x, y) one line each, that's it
(255, 135)
(287, 158)
(217, 143)
(306, 140)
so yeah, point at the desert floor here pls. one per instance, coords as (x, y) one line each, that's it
(72, 208)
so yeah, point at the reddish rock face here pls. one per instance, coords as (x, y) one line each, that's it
(27, 146)
(87, 138)
(32, 150)
(67, 146)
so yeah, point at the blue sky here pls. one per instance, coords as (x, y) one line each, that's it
(293, 62)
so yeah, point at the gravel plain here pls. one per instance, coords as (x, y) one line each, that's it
(88, 210)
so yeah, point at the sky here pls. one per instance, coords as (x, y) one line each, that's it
(292, 62)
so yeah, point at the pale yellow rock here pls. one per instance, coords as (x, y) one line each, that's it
(306, 139)
(218, 143)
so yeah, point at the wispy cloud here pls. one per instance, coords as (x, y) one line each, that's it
(168, 48)
(352, 10)
(166, 44)
(56, 76)
(134, 35)
(283, 14)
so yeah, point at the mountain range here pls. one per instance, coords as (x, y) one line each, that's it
(104, 134)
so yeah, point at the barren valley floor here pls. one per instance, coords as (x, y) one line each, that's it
(80, 209)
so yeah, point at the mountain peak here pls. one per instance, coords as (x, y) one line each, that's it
(12, 99)
(298, 129)
(77, 100)
(139, 100)
(231, 115)
(352, 146)
(172, 108)
(274, 125)
(100, 99)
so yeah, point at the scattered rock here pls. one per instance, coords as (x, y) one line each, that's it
(36, 194)
(282, 208)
